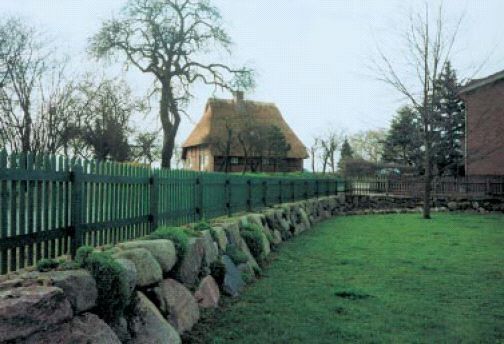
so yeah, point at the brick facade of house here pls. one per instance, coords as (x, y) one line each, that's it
(484, 143)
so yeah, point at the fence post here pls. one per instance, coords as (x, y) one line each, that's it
(198, 198)
(316, 188)
(488, 188)
(76, 196)
(265, 193)
(227, 191)
(305, 189)
(280, 191)
(154, 200)
(249, 195)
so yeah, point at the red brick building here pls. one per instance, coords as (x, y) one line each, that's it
(484, 139)
(214, 144)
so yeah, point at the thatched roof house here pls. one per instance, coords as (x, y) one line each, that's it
(214, 143)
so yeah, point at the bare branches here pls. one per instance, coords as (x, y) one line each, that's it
(430, 49)
(163, 38)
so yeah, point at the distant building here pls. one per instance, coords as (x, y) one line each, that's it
(214, 143)
(484, 139)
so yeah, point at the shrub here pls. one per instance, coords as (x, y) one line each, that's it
(218, 271)
(177, 235)
(247, 276)
(236, 255)
(82, 254)
(68, 265)
(203, 225)
(111, 282)
(44, 265)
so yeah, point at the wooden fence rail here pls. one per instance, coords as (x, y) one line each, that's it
(463, 187)
(50, 206)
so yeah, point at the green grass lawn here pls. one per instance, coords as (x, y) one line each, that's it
(375, 279)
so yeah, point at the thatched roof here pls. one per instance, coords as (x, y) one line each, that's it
(212, 129)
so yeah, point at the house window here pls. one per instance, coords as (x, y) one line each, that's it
(235, 161)
(203, 161)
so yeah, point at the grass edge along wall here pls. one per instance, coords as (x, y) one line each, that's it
(50, 205)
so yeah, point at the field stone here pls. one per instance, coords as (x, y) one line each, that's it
(148, 325)
(220, 238)
(26, 310)
(131, 273)
(161, 249)
(207, 295)
(177, 304)
(233, 282)
(211, 248)
(148, 269)
(87, 328)
(78, 286)
(191, 264)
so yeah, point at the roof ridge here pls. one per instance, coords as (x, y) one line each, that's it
(232, 101)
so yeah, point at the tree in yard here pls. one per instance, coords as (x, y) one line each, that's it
(277, 146)
(168, 40)
(314, 151)
(330, 143)
(429, 46)
(38, 104)
(146, 147)
(368, 145)
(105, 110)
(346, 154)
(404, 139)
(449, 127)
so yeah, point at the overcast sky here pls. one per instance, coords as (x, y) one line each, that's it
(312, 56)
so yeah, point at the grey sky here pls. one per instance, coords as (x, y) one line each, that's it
(312, 56)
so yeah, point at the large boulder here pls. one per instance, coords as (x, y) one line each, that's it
(149, 326)
(233, 233)
(148, 269)
(211, 248)
(233, 282)
(177, 304)
(162, 250)
(130, 272)
(78, 286)
(207, 295)
(452, 206)
(191, 264)
(26, 310)
(220, 238)
(87, 328)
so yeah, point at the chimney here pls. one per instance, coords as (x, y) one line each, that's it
(238, 96)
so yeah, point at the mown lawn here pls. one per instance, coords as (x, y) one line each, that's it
(375, 279)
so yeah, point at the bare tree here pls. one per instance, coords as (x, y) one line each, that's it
(24, 60)
(368, 145)
(429, 46)
(330, 143)
(167, 38)
(146, 147)
(314, 151)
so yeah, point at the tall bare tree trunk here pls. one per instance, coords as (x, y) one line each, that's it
(167, 106)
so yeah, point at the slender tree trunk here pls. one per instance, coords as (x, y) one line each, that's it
(167, 106)
(27, 128)
(428, 164)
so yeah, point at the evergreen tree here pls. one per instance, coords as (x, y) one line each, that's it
(403, 142)
(449, 122)
(345, 155)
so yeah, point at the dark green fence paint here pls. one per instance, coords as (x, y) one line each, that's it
(49, 205)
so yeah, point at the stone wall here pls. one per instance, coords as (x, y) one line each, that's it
(167, 294)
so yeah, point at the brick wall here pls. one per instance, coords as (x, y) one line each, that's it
(485, 130)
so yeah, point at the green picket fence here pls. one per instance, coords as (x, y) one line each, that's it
(49, 206)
